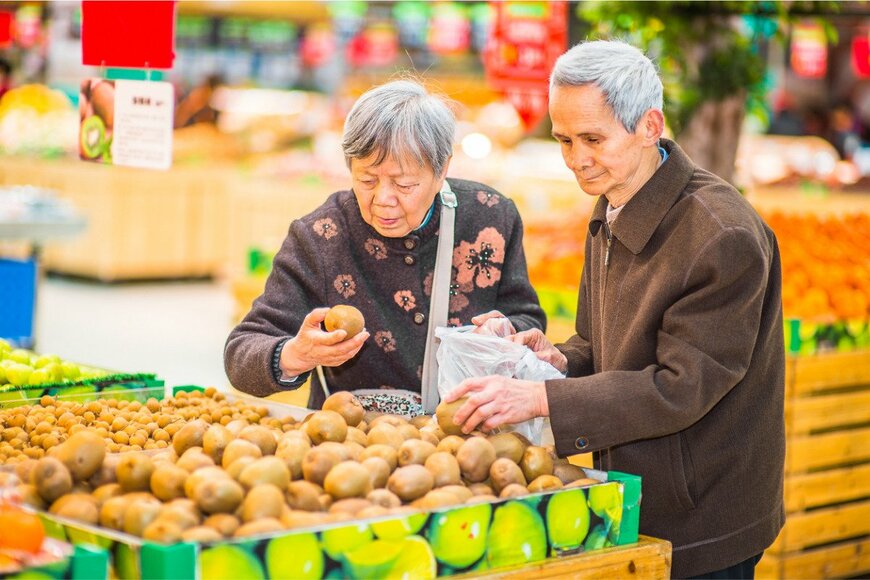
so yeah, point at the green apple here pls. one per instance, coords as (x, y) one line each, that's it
(2, 375)
(337, 541)
(372, 560)
(39, 377)
(45, 359)
(230, 562)
(55, 372)
(294, 556)
(4, 348)
(70, 371)
(18, 374)
(517, 536)
(458, 536)
(19, 355)
(567, 520)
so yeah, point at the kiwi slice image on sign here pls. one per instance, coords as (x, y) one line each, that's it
(92, 137)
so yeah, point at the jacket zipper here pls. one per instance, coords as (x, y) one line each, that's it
(605, 453)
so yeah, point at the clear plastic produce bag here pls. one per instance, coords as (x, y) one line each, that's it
(464, 354)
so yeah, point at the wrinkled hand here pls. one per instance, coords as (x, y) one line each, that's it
(493, 323)
(312, 346)
(495, 401)
(543, 348)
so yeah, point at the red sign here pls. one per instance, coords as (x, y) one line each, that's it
(377, 45)
(317, 46)
(861, 54)
(128, 34)
(526, 40)
(5, 29)
(809, 51)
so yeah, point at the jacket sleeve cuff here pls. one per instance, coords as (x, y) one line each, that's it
(568, 435)
(278, 373)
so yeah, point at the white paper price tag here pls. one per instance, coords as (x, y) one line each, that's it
(143, 124)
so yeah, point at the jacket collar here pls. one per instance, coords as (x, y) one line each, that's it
(643, 213)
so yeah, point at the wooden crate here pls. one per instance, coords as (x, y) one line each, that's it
(827, 471)
(650, 559)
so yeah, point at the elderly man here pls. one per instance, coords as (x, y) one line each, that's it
(676, 372)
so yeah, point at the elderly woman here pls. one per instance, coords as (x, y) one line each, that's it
(374, 247)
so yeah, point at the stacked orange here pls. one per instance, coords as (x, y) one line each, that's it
(825, 266)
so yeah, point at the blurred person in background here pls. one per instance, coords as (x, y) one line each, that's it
(676, 371)
(374, 247)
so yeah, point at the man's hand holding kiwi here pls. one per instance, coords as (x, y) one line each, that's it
(313, 346)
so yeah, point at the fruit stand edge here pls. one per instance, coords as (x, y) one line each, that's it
(628, 533)
(90, 563)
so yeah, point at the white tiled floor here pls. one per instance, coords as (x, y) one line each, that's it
(174, 329)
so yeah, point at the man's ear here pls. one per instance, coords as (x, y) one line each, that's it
(652, 125)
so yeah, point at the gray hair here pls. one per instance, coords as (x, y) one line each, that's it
(400, 119)
(628, 79)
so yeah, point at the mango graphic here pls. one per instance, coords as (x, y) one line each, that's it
(295, 556)
(458, 537)
(226, 562)
(517, 536)
(567, 520)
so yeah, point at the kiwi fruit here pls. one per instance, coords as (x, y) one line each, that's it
(293, 519)
(386, 452)
(220, 495)
(108, 471)
(134, 472)
(414, 451)
(346, 405)
(450, 444)
(410, 482)
(162, 531)
(480, 489)
(444, 413)
(182, 511)
(429, 437)
(194, 459)
(388, 419)
(215, 440)
(437, 498)
(201, 534)
(51, 478)
(513, 490)
(77, 506)
(348, 479)
(260, 526)
(304, 496)
(343, 452)
(224, 524)
(239, 448)
(508, 445)
(190, 435)
(167, 482)
(350, 506)
(421, 421)
(139, 514)
(201, 475)
(317, 463)
(326, 501)
(374, 511)
(354, 435)
(29, 496)
(112, 512)
(566, 472)
(82, 453)
(268, 469)
(379, 471)
(92, 142)
(239, 465)
(536, 461)
(23, 470)
(263, 501)
(292, 452)
(475, 457)
(504, 472)
(106, 492)
(545, 483)
(384, 498)
(344, 317)
(583, 482)
(262, 437)
(384, 434)
(354, 450)
(444, 469)
(408, 431)
(235, 426)
(326, 426)
(460, 491)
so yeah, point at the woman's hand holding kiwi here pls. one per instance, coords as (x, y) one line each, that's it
(495, 401)
(313, 346)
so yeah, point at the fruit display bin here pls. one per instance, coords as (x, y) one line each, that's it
(467, 538)
(138, 387)
(84, 563)
(827, 469)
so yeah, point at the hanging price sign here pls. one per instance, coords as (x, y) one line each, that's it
(128, 34)
(526, 40)
(861, 54)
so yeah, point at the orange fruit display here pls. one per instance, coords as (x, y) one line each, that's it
(20, 530)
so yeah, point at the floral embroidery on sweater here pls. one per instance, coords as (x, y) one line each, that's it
(325, 228)
(405, 299)
(480, 261)
(487, 198)
(376, 249)
(385, 340)
(345, 285)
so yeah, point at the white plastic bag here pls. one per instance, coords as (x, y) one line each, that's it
(463, 354)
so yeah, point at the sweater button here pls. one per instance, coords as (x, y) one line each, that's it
(419, 318)
(581, 443)
(410, 244)
(410, 260)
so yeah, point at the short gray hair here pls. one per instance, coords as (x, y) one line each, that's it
(400, 119)
(628, 79)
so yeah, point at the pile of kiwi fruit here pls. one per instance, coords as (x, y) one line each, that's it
(245, 477)
(29, 431)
